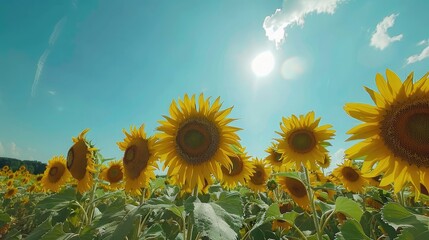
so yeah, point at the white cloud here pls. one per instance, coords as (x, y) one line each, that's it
(52, 92)
(14, 151)
(423, 42)
(39, 70)
(294, 12)
(2, 152)
(41, 63)
(418, 57)
(338, 157)
(380, 39)
(57, 30)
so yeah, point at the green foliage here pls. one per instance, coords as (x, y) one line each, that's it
(219, 220)
(415, 226)
(352, 230)
(348, 207)
(34, 167)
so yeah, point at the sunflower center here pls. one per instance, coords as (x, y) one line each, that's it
(302, 141)
(405, 130)
(114, 174)
(136, 157)
(277, 156)
(197, 140)
(350, 174)
(295, 187)
(77, 159)
(258, 178)
(56, 172)
(237, 167)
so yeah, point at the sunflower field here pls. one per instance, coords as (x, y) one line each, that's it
(214, 190)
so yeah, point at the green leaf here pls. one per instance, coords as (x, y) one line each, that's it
(352, 230)
(4, 218)
(164, 202)
(293, 175)
(221, 219)
(59, 200)
(154, 232)
(414, 226)
(214, 222)
(348, 207)
(231, 202)
(126, 225)
(57, 233)
(273, 211)
(157, 183)
(40, 230)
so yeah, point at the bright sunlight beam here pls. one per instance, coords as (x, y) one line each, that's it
(263, 64)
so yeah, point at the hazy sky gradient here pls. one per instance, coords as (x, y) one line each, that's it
(105, 65)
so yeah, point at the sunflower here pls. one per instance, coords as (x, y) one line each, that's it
(5, 168)
(113, 174)
(139, 160)
(274, 158)
(56, 174)
(395, 132)
(80, 162)
(317, 178)
(326, 161)
(195, 142)
(281, 224)
(22, 168)
(9, 183)
(350, 176)
(240, 170)
(296, 190)
(260, 176)
(10, 192)
(303, 141)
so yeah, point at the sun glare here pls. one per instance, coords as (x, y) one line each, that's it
(263, 64)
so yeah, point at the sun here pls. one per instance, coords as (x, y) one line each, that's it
(263, 64)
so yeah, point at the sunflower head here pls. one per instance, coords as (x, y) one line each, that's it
(326, 161)
(394, 132)
(303, 141)
(260, 176)
(195, 141)
(10, 192)
(240, 170)
(114, 174)
(22, 168)
(56, 174)
(350, 176)
(296, 190)
(80, 162)
(5, 168)
(139, 161)
(274, 157)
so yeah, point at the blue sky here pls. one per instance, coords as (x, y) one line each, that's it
(105, 65)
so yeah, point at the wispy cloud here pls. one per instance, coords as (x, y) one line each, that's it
(52, 92)
(57, 30)
(294, 12)
(2, 152)
(41, 63)
(422, 55)
(380, 38)
(40, 66)
(423, 42)
(338, 157)
(14, 151)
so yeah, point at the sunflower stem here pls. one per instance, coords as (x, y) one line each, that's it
(312, 204)
(299, 231)
(326, 220)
